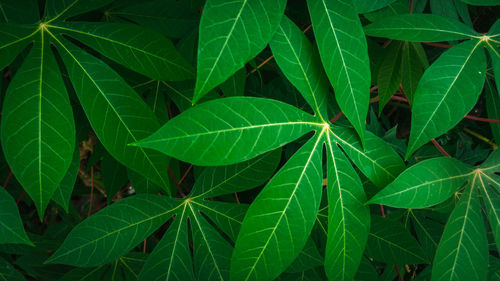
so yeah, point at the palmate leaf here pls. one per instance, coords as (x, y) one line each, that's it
(462, 253)
(447, 91)
(112, 232)
(63, 9)
(348, 218)
(146, 52)
(280, 219)
(428, 183)
(38, 130)
(344, 53)
(301, 65)
(232, 33)
(220, 128)
(13, 39)
(420, 28)
(117, 114)
(11, 226)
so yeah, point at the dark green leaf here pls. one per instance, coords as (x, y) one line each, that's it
(8, 272)
(11, 226)
(114, 176)
(482, 2)
(22, 11)
(389, 74)
(63, 9)
(13, 39)
(62, 196)
(308, 258)
(363, 6)
(411, 68)
(235, 85)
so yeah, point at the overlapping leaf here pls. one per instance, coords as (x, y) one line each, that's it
(11, 226)
(63, 9)
(13, 39)
(232, 33)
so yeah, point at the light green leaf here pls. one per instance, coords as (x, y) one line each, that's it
(230, 130)
(63, 9)
(11, 226)
(117, 114)
(137, 48)
(38, 130)
(280, 219)
(8, 272)
(171, 258)
(391, 243)
(62, 196)
(348, 218)
(389, 74)
(363, 6)
(114, 230)
(428, 183)
(482, 2)
(420, 28)
(447, 91)
(216, 181)
(300, 63)
(13, 39)
(462, 253)
(232, 33)
(344, 53)
(378, 161)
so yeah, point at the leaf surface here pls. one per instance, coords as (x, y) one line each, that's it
(11, 226)
(62, 196)
(13, 39)
(389, 74)
(63, 9)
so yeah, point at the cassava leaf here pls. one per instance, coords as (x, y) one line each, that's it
(344, 53)
(447, 91)
(428, 183)
(389, 74)
(62, 196)
(38, 130)
(9, 272)
(420, 28)
(230, 130)
(13, 39)
(280, 219)
(231, 34)
(482, 2)
(11, 226)
(412, 68)
(363, 6)
(63, 9)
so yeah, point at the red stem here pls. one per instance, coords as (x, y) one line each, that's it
(382, 210)
(237, 199)
(446, 46)
(6, 182)
(482, 119)
(185, 174)
(336, 117)
(397, 271)
(20, 197)
(440, 148)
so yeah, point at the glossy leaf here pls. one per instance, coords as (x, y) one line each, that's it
(230, 130)
(428, 183)
(344, 53)
(38, 130)
(139, 49)
(447, 91)
(62, 196)
(280, 219)
(116, 113)
(232, 33)
(420, 28)
(462, 253)
(13, 39)
(348, 218)
(114, 231)
(300, 63)
(11, 226)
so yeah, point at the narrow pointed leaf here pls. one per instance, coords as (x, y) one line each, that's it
(235, 85)
(420, 28)
(63, 9)
(462, 253)
(11, 226)
(280, 219)
(137, 48)
(9, 272)
(226, 216)
(389, 74)
(428, 183)
(300, 63)
(112, 232)
(344, 53)
(113, 176)
(171, 258)
(412, 68)
(117, 114)
(308, 258)
(230, 130)
(447, 91)
(62, 196)
(13, 39)
(492, 202)
(232, 33)
(38, 130)
(348, 218)
(378, 161)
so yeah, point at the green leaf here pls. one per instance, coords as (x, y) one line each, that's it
(308, 258)
(378, 161)
(11, 226)
(363, 6)
(482, 2)
(114, 176)
(412, 68)
(344, 53)
(38, 130)
(300, 63)
(22, 11)
(216, 181)
(389, 74)
(117, 114)
(428, 183)
(8, 272)
(348, 218)
(63, 9)
(226, 216)
(391, 243)
(462, 253)
(280, 219)
(134, 47)
(13, 39)
(62, 196)
(115, 230)
(420, 28)
(235, 85)
(447, 91)
(230, 130)
(231, 34)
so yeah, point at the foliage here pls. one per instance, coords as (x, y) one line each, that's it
(223, 140)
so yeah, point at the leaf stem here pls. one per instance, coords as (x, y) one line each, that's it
(6, 182)
(440, 148)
